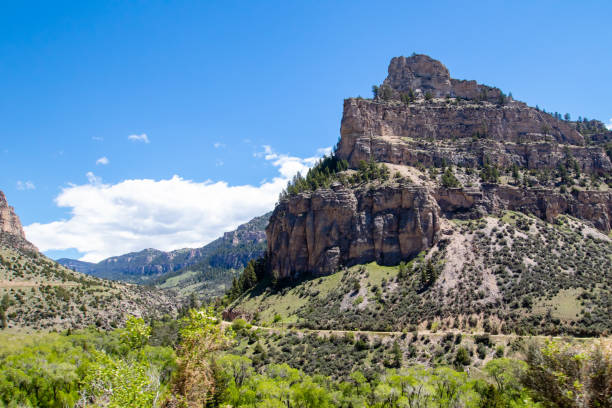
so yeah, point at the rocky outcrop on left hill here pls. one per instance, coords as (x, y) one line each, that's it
(11, 231)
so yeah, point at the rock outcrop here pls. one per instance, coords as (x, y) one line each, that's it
(423, 74)
(463, 129)
(11, 231)
(463, 135)
(422, 117)
(329, 228)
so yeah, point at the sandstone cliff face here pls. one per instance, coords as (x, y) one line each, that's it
(329, 228)
(11, 231)
(430, 132)
(9, 221)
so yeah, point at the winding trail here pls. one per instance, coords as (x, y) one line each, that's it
(327, 333)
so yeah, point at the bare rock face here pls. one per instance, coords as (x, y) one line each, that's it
(11, 231)
(464, 130)
(505, 135)
(423, 74)
(321, 231)
(547, 204)
(419, 72)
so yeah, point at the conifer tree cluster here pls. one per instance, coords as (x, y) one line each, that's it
(489, 172)
(321, 175)
(252, 273)
(327, 171)
(449, 180)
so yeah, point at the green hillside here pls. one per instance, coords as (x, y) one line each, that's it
(38, 293)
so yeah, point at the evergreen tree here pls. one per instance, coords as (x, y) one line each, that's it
(397, 355)
(449, 180)
(374, 91)
(515, 173)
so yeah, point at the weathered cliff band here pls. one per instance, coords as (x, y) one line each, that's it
(329, 228)
(505, 135)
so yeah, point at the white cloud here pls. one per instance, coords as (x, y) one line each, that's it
(113, 219)
(25, 185)
(139, 138)
(218, 145)
(92, 178)
(219, 163)
(102, 160)
(609, 125)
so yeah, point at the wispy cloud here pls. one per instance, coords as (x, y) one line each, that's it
(609, 125)
(25, 185)
(93, 179)
(112, 219)
(219, 163)
(97, 138)
(218, 145)
(102, 160)
(139, 138)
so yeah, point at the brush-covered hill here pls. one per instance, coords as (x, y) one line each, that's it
(499, 274)
(497, 212)
(206, 270)
(38, 293)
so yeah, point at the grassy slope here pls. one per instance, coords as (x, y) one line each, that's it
(514, 274)
(45, 295)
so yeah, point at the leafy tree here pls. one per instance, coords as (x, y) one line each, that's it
(515, 173)
(136, 333)
(397, 355)
(202, 337)
(428, 274)
(564, 375)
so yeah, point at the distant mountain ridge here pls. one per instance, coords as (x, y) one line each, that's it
(231, 251)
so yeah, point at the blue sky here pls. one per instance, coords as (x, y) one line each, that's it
(238, 94)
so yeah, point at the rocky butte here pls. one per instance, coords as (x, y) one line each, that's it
(452, 149)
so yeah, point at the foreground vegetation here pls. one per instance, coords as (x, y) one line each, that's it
(198, 362)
